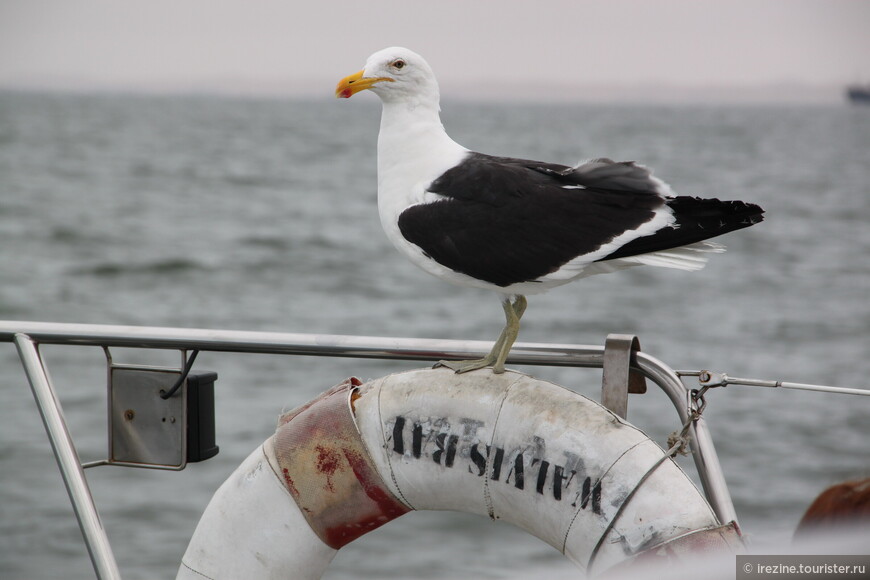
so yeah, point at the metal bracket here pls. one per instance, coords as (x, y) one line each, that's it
(618, 379)
(146, 430)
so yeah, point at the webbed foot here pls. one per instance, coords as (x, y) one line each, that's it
(464, 366)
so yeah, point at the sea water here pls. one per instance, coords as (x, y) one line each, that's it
(260, 214)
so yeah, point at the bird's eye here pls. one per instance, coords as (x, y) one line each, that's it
(398, 64)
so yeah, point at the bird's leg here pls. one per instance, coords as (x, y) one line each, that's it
(513, 310)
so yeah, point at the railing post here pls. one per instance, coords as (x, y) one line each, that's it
(67, 460)
(700, 440)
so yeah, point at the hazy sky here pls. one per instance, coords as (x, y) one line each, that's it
(477, 46)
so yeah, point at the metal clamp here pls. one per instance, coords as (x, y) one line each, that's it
(620, 354)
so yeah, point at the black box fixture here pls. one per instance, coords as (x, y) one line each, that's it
(200, 416)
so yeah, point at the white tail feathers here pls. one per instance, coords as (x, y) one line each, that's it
(692, 257)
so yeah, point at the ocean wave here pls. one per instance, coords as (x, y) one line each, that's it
(70, 235)
(308, 242)
(267, 241)
(167, 266)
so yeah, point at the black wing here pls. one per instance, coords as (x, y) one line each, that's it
(507, 221)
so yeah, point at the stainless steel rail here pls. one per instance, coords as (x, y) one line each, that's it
(67, 459)
(28, 335)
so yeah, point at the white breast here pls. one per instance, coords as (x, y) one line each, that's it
(413, 151)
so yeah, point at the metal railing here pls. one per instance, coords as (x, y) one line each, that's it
(28, 336)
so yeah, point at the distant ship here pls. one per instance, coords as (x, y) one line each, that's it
(859, 94)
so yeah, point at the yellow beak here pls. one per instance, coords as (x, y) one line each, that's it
(349, 86)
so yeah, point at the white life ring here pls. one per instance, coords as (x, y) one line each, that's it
(508, 446)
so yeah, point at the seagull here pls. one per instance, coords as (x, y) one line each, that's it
(516, 226)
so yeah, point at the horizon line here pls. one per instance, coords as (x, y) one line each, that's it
(459, 90)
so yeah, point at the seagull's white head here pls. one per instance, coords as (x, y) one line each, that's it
(395, 74)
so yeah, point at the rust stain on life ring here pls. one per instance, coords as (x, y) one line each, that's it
(388, 507)
(374, 486)
(327, 464)
(328, 472)
(288, 481)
